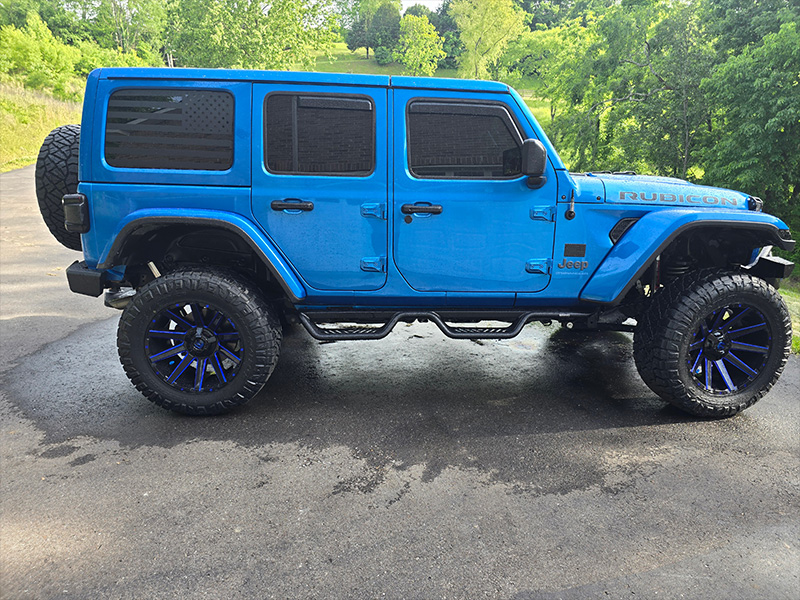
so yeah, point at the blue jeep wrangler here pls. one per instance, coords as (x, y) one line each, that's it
(217, 206)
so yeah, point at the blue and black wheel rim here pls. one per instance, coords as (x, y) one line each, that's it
(730, 349)
(194, 347)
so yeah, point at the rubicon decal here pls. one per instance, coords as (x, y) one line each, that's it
(678, 199)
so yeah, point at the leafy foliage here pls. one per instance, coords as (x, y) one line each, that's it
(248, 34)
(383, 55)
(448, 29)
(755, 144)
(486, 27)
(366, 28)
(420, 48)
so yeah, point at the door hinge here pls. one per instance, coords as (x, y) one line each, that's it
(374, 264)
(539, 266)
(543, 213)
(373, 210)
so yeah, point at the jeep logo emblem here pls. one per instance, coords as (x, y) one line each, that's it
(581, 265)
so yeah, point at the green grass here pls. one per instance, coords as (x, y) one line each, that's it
(539, 108)
(26, 117)
(344, 61)
(791, 295)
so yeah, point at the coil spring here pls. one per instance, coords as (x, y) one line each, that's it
(676, 269)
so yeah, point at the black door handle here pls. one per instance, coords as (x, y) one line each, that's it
(288, 205)
(430, 209)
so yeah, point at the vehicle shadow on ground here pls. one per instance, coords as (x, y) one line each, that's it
(549, 397)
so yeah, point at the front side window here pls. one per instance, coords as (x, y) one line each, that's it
(169, 128)
(319, 134)
(459, 140)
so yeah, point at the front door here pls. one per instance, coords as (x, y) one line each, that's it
(465, 219)
(320, 180)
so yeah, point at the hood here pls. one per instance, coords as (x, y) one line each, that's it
(643, 189)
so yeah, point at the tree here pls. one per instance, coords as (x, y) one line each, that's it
(420, 47)
(545, 13)
(755, 145)
(35, 57)
(735, 24)
(384, 30)
(660, 114)
(356, 36)
(65, 20)
(250, 34)
(357, 16)
(447, 28)
(486, 27)
(419, 10)
(132, 24)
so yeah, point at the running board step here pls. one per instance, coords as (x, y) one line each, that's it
(385, 323)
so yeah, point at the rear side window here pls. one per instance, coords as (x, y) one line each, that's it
(170, 128)
(319, 134)
(452, 140)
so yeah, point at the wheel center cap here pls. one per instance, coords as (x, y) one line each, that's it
(201, 342)
(716, 345)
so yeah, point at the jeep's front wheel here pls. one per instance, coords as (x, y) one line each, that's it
(198, 342)
(713, 343)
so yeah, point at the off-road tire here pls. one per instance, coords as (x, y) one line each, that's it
(240, 302)
(667, 327)
(57, 175)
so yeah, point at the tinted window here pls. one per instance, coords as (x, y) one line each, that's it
(170, 129)
(319, 135)
(462, 141)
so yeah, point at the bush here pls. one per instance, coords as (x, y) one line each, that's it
(93, 56)
(383, 55)
(34, 57)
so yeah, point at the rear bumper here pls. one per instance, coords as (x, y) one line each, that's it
(83, 280)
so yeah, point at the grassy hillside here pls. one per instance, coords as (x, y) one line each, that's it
(791, 294)
(26, 117)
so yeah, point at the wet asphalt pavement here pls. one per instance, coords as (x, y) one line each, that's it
(413, 467)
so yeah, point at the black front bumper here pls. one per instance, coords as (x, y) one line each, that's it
(83, 280)
(772, 267)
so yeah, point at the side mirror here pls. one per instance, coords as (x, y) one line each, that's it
(534, 162)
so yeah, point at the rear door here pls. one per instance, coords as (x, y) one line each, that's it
(320, 180)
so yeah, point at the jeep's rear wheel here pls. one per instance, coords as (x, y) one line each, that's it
(57, 175)
(198, 342)
(713, 343)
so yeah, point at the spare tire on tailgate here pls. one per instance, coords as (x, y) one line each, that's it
(57, 175)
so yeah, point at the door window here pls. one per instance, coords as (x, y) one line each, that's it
(319, 135)
(457, 140)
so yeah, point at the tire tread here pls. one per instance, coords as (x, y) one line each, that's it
(57, 175)
(662, 327)
(257, 317)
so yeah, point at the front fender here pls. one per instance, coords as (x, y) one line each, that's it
(634, 253)
(244, 228)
